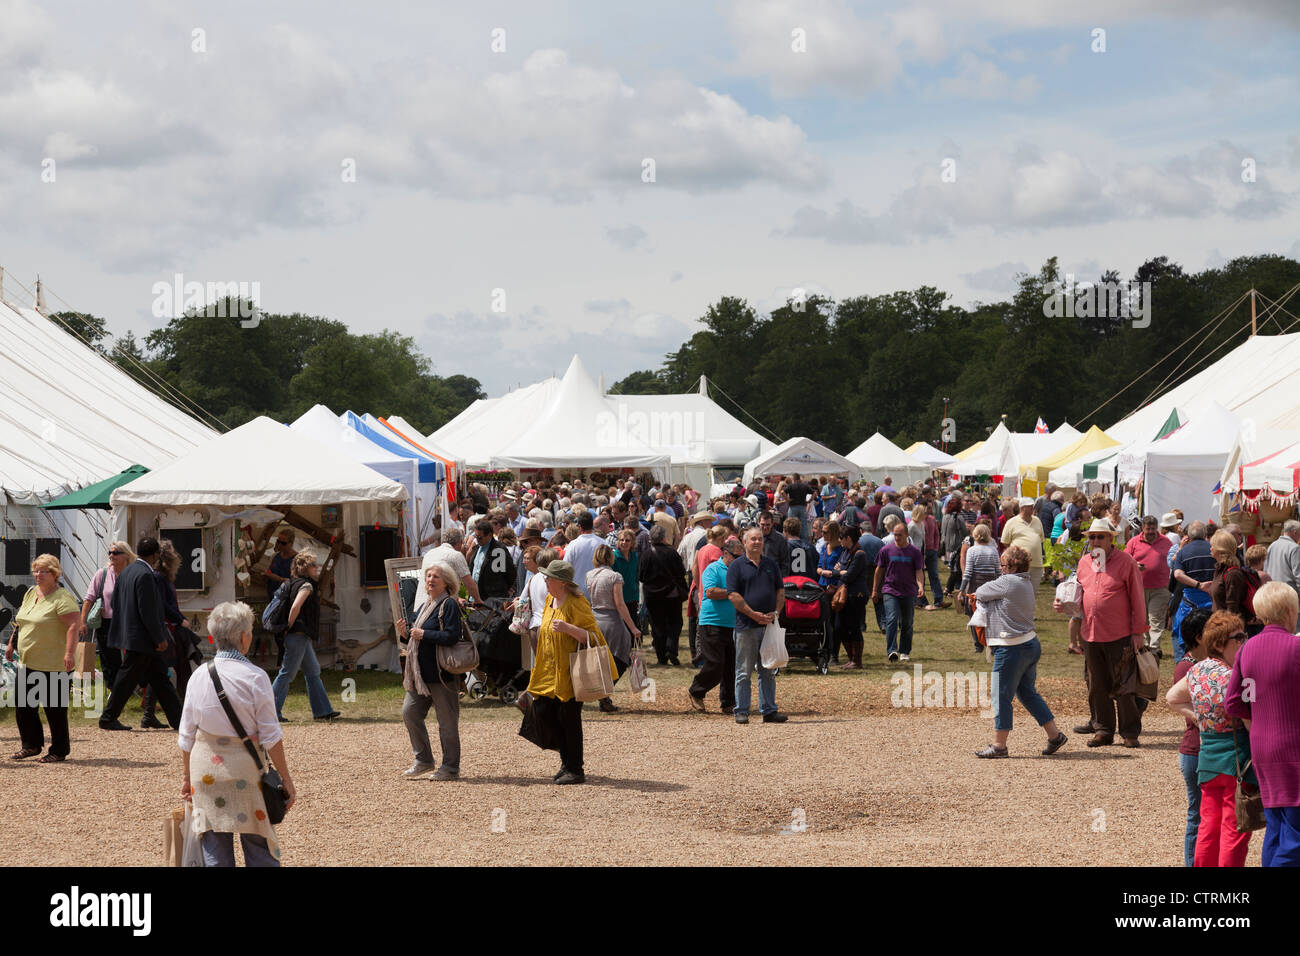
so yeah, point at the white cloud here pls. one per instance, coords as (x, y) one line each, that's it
(626, 237)
(984, 80)
(1000, 278)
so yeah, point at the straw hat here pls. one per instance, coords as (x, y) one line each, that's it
(1101, 526)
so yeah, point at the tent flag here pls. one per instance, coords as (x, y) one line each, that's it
(1041, 427)
(1171, 425)
(96, 495)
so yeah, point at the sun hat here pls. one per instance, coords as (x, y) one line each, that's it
(1101, 526)
(1169, 520)
(1026, 502)
(560, 570)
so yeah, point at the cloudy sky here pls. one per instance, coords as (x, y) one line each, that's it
(409, 166)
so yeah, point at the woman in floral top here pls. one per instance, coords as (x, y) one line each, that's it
(1225, 743)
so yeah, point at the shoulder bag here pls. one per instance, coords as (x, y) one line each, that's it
(1249, 802)
(273, 792)
(461, 657)
(96, 616)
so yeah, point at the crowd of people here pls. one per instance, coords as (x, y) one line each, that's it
(583, 566)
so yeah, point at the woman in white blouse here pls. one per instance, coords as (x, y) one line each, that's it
(220, 775)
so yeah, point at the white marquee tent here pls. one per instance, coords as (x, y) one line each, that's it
(1182, 469)
(251, 475)
(878, 457)
(490, 424)
(801, 456)
(931, 455)
(579, 429)
(69, 417)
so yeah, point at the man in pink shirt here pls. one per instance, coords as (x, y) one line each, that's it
(1114, 622)
(1150, 550)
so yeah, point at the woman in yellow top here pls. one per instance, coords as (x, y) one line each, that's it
(552, 717)
(45, 634)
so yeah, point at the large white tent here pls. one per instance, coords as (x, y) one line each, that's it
(490, 424)
(1182, 469)
(69, 417)
(931, 455)
(579, 429)
(251, 476)
(322, 425)
(801, 456)
(878, 457)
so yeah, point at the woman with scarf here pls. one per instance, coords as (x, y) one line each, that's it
(428, 685)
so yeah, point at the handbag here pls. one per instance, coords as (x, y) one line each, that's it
(273, 792)
(1249, 801)
(840, 599)
(461, 657)
(96, 616)
(589, 671)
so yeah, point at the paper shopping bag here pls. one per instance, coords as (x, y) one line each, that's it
(589, 669)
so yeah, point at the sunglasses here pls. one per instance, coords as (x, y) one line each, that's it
(1240, 637)
(1097, 537)
(114, 554)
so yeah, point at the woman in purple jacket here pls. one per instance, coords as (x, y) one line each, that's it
(1262, 691)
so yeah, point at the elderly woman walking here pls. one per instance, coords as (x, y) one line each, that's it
(221, 776)
(1225, 742)
(552, 715)
(438, 623)
(44, 635)
(1009, 603)
(120, 554)
(1262, 690)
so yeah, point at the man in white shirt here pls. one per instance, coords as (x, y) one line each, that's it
(1283, 560)
(581, 552)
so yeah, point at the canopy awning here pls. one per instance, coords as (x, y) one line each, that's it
(96, 495)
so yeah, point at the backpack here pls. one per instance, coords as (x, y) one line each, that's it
(276, 616)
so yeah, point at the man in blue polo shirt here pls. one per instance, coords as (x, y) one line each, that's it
(715, 640)
(1193, 568)
(754, 581)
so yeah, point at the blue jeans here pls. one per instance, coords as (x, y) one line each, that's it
(800, 512)
(1187, 764)
(899, 612)
(219, 849)
(748, 641)
(1015, 669)
(1192, 598)
(932, 569)
(300, 655)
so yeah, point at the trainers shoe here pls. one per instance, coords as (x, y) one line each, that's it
(444, 773)
(904, 657)
(417, 769)
(992, 752)
(742, 718)
(893, 657)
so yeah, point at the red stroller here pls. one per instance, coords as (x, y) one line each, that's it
(806, 617)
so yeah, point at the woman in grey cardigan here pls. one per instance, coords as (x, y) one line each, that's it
(1009, 602)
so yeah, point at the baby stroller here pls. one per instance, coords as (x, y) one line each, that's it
(500, 671)
(806, 617)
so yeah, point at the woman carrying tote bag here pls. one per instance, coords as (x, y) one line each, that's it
(552, 712)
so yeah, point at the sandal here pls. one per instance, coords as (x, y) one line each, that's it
(992, 751)
(25, 753)
(51, 758)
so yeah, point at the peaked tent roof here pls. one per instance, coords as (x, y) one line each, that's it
(878, 457)
(69, 417)
(429, 471)
(260, 463)
(801, 456)
(491, 424)
(422, 442)
(1092, 440)
(1258, 380)
(930, 455)
(578, 429)
(692, 428)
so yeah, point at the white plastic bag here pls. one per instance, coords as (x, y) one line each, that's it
(192, 852)
(772, 653)
(1070, 594)
(638, 679)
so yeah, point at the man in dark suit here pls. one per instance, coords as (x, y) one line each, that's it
(490, 563)
(137, 630)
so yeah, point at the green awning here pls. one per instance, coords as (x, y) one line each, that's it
(1090, 469)
(96, 495)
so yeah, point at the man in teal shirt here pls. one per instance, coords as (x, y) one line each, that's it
(715, 645)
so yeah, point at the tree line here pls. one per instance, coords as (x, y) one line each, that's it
(839, 371)
(283, 365)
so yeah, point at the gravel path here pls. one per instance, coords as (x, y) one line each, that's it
(849, 780)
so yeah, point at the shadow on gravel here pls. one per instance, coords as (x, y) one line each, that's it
(614, 783)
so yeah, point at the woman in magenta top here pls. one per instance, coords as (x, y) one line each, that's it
(1263, 692)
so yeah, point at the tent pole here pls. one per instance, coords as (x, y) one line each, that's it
(1252, 310)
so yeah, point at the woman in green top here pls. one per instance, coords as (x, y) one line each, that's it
(627, 562)
(45, 633)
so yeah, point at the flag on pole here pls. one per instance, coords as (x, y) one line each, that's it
(1041, 427)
